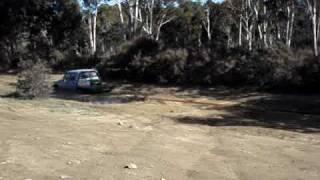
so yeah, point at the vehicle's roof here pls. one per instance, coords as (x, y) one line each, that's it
(80, 70)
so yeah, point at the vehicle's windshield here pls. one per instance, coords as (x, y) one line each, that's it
(91, 74)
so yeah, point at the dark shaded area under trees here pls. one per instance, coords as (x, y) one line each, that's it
(275, 112)
(265, 44)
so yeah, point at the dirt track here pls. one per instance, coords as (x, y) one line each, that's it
(79, 137)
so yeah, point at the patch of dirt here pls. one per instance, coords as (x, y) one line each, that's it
(66, 137)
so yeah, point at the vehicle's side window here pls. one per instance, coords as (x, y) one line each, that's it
(91, 74)
(72, 77)
(66, 77)
(83, 76)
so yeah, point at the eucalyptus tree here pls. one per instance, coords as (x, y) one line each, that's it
(119, 5)
(206, 19)
(313, 8)
(90, 8)
(146, 16)
(281, 19)
(290, 6)
(157, 13)
(249, 16)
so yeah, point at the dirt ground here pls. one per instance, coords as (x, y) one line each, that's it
(195, 133)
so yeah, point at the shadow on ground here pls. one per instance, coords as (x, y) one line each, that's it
(291, 113)
(298, 113)
(101, 98)
(117, 93)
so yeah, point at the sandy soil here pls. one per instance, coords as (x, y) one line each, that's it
(215, 134)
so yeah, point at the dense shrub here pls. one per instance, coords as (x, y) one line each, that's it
(310, 74)
(168, 66)
(138, 47)
(274, 69)
(267, 69)
(56, 58)
(130, 59)
(33, 80)
(4, 61)
(74, 61)
(263, 68)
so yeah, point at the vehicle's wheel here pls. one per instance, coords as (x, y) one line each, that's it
(56, 87)
(79, 90)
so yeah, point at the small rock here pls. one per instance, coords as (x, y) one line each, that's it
(131, 166)
(68, 143)
(120, 123)
(162, 178)
(77, 161)
(69, 162)
(65, 177)
(133, 127)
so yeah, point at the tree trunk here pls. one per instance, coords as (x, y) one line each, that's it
(229, 38)
(290, 24)
(312, 9)
(265, 26)
(318, 29)
(208, 25)
(158, 33)
(199, 41)
(257, 18)
(248, 22)
(136, 15)
(291, 28)
(250, 37)
(90, 34)
(151, 17)
(94, 32)
(271, 40)
(131, 19)
(162, 22)
(315, 28)
(315, 37)
(206, 21)
(278, 32)
(122, 20)
(240, 31)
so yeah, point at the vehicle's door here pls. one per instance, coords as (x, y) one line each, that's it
(69, 81)
(83, 81)
(72, 81)
(63, 84)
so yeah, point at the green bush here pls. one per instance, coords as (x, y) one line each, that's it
(168, 66)
(56, 58)
(130, 60)
(269, 69)
(33, 80)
